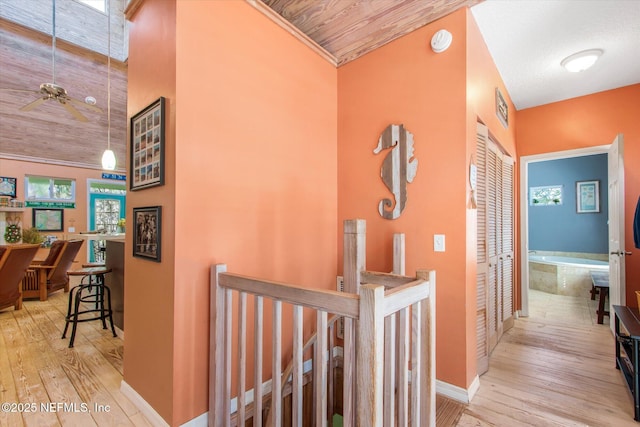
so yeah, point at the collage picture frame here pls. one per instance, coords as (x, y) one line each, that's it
(147, 146)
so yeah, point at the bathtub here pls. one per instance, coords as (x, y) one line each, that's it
(563, 275)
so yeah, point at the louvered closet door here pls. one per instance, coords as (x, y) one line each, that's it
(495, 282)
(507, 256)
(494, 180)
(482, 297)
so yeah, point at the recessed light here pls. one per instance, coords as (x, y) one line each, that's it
(582, 60)
(90, 100)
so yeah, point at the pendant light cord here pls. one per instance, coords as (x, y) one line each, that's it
(108, 75)
(53, 42)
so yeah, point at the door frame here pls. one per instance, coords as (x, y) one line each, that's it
(524, 214)
(91, 181)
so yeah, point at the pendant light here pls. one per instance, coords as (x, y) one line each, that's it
(109, 157)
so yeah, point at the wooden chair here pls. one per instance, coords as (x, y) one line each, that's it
(14, 261)
(50, 275)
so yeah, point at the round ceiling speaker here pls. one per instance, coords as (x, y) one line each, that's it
(441, 41)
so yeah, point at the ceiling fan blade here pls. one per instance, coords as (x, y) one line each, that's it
(84, 104)
(30, 106)
(70, 108)
(6, 89)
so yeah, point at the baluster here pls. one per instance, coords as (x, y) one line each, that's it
(276, 369)
(389, 369)
(257, 363)
(242, 357)
(415, 364)
(320, 381)
(403, 367)
(296, 387)
(330, 399)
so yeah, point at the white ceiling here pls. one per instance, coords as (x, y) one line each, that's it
(528, 38)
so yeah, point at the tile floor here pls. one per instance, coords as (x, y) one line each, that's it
(564, 309)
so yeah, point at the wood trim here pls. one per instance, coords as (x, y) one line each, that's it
(19, 158)
(414, 292)
(145, 408)
(132, 8)
(388, 280)
(290, 28)
(61, 44)
(330, 301)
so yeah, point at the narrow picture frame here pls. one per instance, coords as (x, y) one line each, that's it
(147, 147)
(588, 196)
(48, 219)
(502, 109)
(8, 186)
(147, 231)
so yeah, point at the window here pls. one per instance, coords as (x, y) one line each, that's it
(96, 4)
(549, 195)
(107, 188)
(40, 188)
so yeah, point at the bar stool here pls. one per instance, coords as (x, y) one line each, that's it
(100, 300)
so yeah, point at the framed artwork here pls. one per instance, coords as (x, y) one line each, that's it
(147, 147)
(548, 195)
(146, 232)
(588, 196)
(502, 109)
(8, 187)
(48, 219)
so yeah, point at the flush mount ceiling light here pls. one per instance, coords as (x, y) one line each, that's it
(582, 60)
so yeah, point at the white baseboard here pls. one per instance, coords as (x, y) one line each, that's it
(120, 332)
(199, 421)
(456, 393)
(146, 409)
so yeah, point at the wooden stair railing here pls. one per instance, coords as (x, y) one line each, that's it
(287, 377)
(372, 371)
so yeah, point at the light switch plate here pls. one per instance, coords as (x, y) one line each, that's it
(72, 229)
(438, 242)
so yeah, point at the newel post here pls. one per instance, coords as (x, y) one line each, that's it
(428, 351)
(353, 264)
(219, 410)
(398, 254)
(370, 356)
(354, 253)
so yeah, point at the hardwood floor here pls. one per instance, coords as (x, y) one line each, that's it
(554, 368)
(53, 384)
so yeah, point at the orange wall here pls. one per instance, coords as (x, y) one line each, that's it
(149, 296)
(404, 82)
(589, 121)
(78, 216)
(251, 180)
(256, 184)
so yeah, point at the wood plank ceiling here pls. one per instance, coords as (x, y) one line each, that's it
(49, 131)
(348, 29)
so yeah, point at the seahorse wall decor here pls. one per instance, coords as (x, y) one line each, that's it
(398, 168)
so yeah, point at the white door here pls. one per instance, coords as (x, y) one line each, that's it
(616, 224)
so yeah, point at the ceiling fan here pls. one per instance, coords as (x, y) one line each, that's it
(53, 91)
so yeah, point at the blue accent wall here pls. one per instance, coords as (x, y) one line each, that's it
(561, 228)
